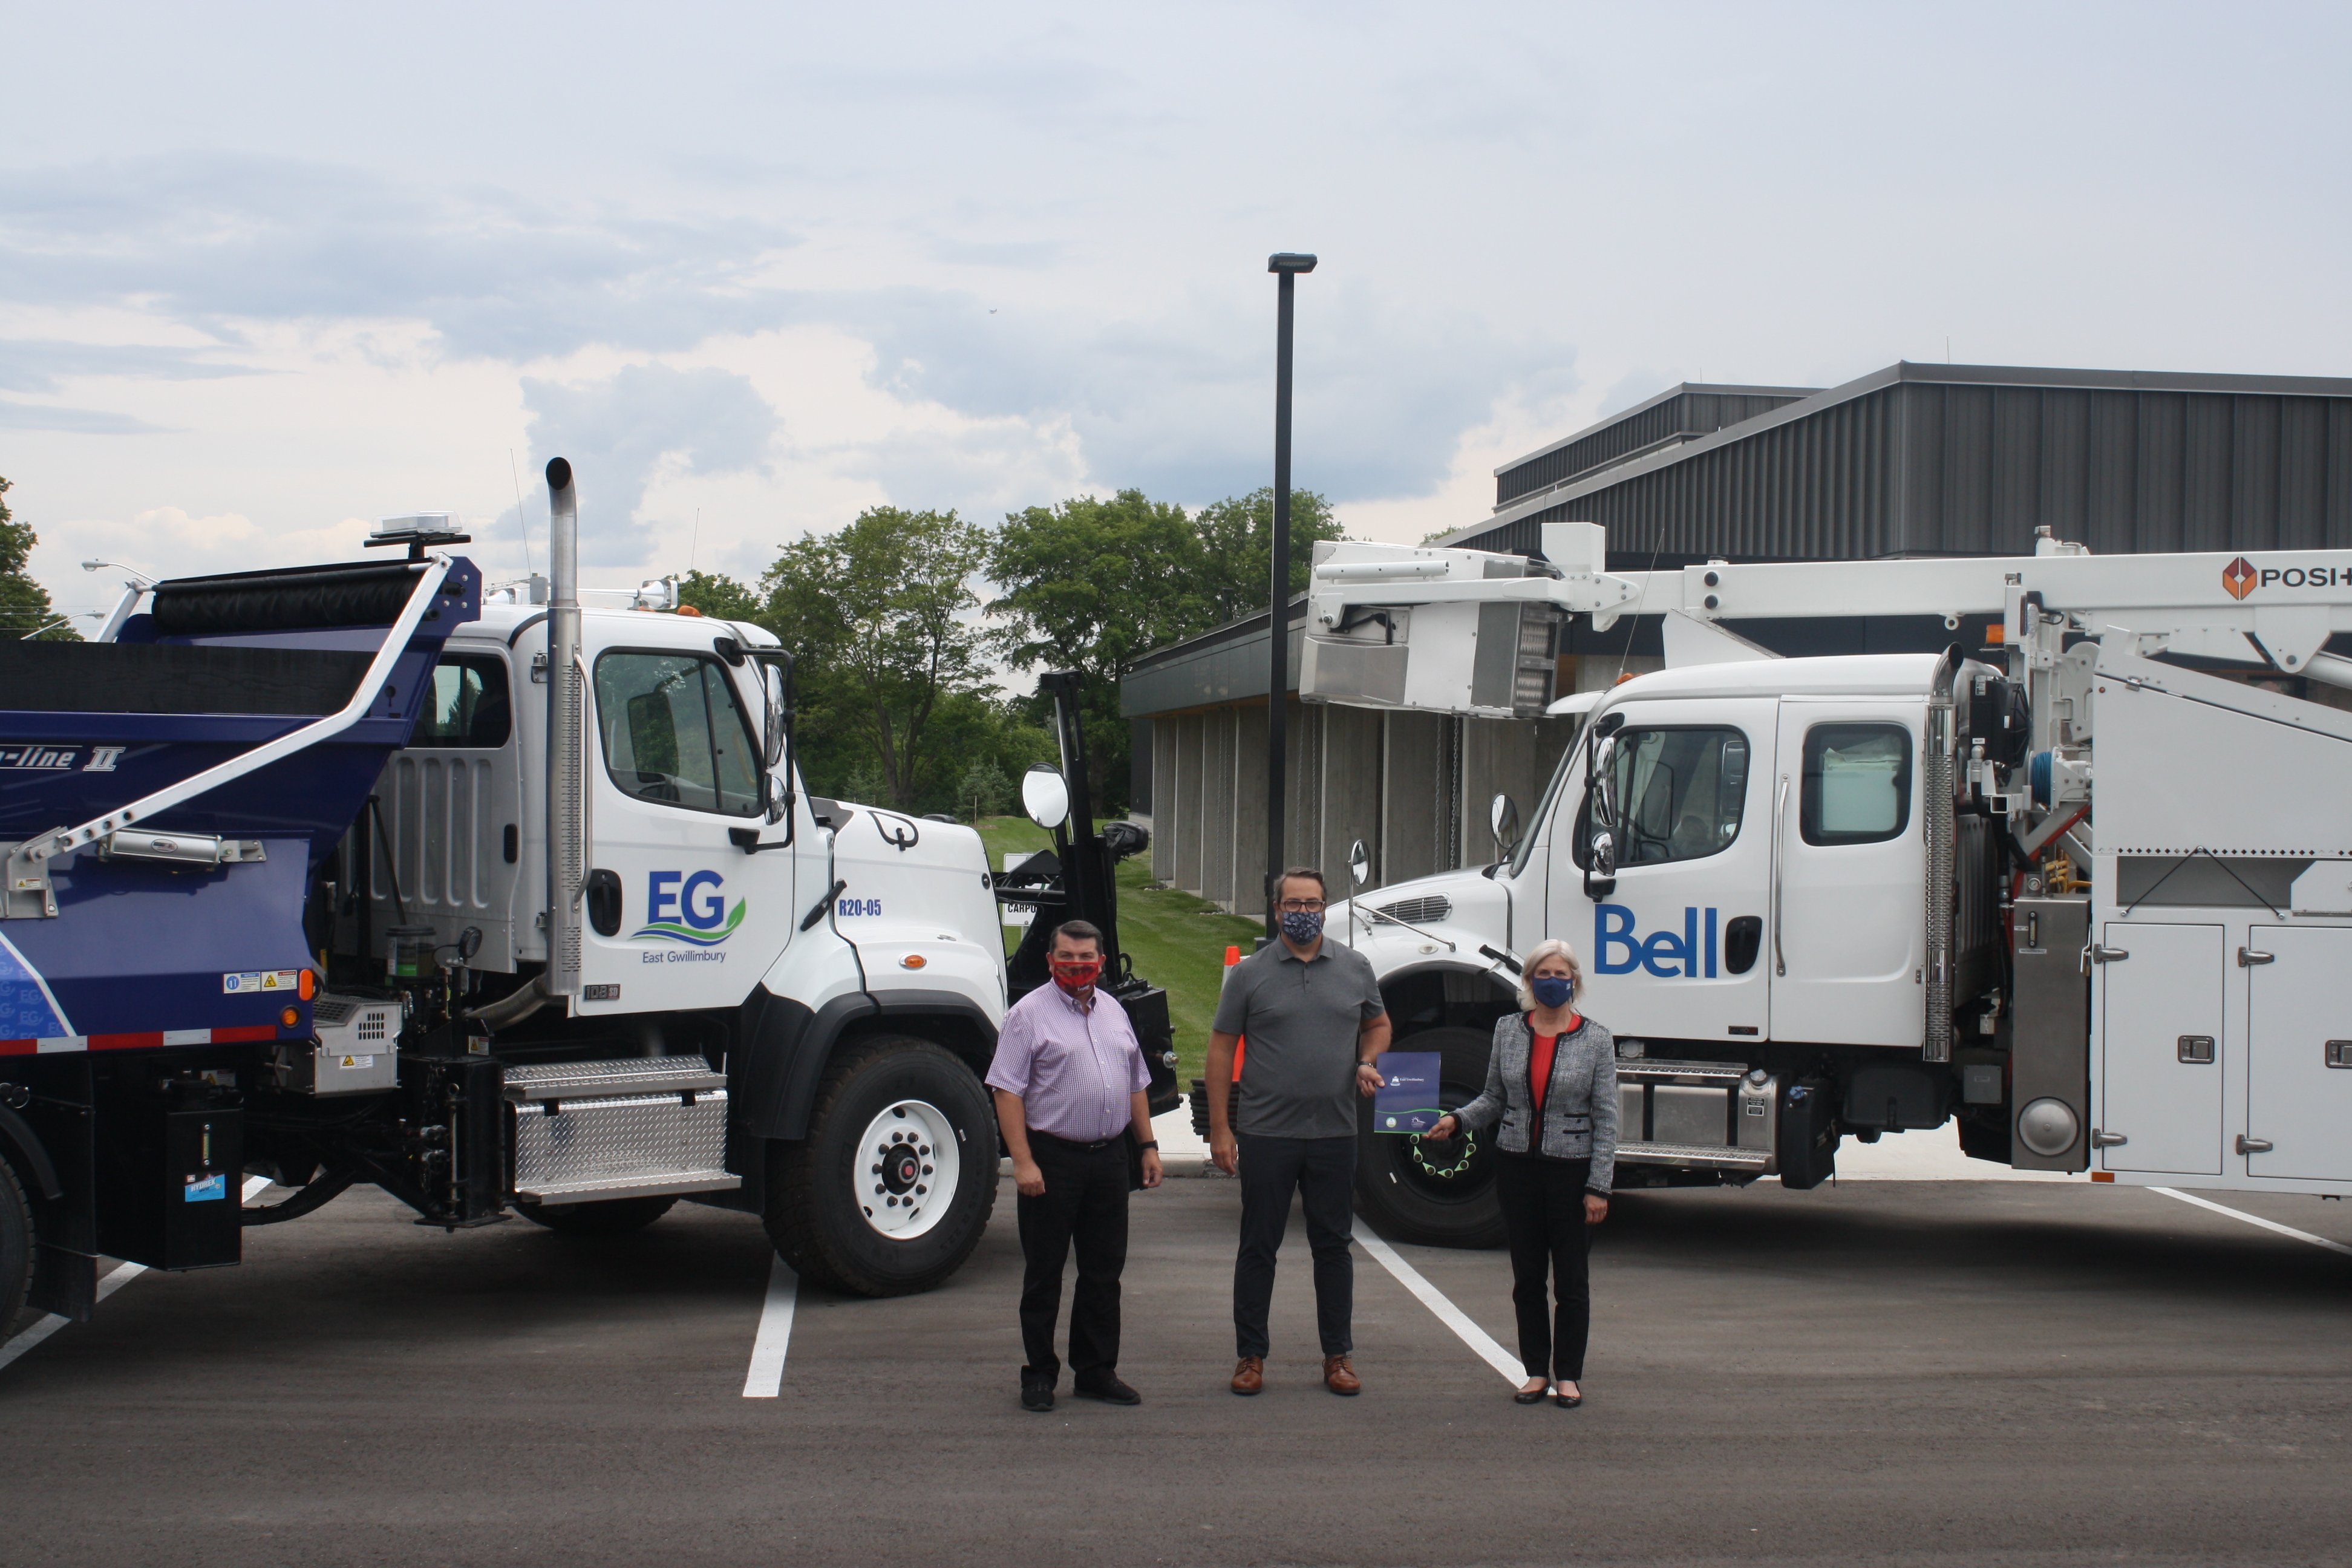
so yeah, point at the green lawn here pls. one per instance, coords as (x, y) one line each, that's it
(1175, 940)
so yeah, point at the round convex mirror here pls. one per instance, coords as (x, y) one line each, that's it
(1359, 863)
(1045, 796)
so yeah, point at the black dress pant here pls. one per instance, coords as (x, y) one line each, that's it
(1543, 1217)
(1085, 1201)
(1322, 1172)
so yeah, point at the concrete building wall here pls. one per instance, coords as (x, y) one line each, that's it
(1186, 824)
(1166, 798)
(1217, 800)
(1417, 758)
(1347, 778)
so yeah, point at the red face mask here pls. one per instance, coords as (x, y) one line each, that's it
(1075, 975)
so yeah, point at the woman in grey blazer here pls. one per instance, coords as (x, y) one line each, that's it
(1552, 1074)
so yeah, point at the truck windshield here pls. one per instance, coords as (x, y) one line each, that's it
(1534, 832)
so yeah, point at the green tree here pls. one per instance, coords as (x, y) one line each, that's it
(880, 619)
(986, 790)
(1091, 585)
(720, 596)
(1237, 549)
(25, 608)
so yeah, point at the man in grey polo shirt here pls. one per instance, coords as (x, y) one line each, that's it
(1313, 1019)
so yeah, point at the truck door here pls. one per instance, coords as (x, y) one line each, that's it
(2162, 1048)
(2299, 1054)
(678, 915)
(1673, 952)
(1849, 939)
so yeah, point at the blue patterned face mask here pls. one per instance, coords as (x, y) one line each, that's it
(1552, 990)
(1302, 926)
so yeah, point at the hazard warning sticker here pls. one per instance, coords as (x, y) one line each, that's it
(259, 980)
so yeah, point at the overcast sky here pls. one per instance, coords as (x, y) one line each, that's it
(267, 273)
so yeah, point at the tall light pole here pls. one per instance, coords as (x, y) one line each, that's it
(1285, 266)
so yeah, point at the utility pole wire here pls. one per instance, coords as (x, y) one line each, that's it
(515, 474)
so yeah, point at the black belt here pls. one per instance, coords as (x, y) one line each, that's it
(1074, 1143)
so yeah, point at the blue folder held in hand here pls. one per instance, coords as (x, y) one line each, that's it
(1407, 1101)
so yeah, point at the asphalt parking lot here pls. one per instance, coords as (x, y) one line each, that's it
(1889, 1371)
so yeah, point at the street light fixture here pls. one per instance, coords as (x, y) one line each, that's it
(1285, 266)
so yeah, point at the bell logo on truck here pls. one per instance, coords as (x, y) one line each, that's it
(1686, 954)
(688, 909)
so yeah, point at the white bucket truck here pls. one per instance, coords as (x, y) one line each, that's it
(2087, 889)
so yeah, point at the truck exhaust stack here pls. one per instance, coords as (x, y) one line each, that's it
(567, 874)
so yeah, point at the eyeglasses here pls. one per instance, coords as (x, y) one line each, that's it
(1302, 906)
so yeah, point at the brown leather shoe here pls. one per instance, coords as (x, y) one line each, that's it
(1249, 1375)
(1339, 1377)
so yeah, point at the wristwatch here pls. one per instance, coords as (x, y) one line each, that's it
(1153, 1144)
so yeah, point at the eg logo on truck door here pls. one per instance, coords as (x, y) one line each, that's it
(1686, 954)
(688, 909)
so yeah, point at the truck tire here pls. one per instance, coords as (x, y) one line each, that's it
(616, 1217)
(1408, 1198)
(890, 1190)
(16, 1249)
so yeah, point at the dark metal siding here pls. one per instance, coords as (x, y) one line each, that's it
(1691, 414)
(1923, 467)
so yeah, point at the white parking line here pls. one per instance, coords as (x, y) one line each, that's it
(116, 1280)
(2255, 1219)
(1452, 1316)
(766, 1379)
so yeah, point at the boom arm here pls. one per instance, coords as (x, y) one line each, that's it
(1370, 605)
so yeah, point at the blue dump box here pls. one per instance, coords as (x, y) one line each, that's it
(165, 921)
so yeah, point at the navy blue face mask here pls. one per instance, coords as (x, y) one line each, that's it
(1552, 990)
(1302, 926)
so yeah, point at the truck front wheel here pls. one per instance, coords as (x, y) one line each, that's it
(890, 1190)
(16, 1249)
(1430, 1193)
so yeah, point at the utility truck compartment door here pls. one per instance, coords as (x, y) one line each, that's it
(2165, 1106)
(2299, 1053)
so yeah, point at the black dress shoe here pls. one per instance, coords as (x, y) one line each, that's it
(1107, 1388)
(1036, 1395)
(1529, 1396)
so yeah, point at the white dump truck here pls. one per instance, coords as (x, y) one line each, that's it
(352, 874)
(2086, 889)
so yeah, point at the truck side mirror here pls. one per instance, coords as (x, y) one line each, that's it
(1600, 850)
(1045, 796)
(1359, 863)
(1503, 818)
(777, 716)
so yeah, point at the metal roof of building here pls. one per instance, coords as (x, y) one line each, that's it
(1966, 459)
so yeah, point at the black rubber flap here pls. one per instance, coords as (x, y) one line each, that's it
(351, 593)
(151, 677)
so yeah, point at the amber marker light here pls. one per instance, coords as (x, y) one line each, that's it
(2102, 1176)
(290, 1016)
(306, 984)
(912, 960)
